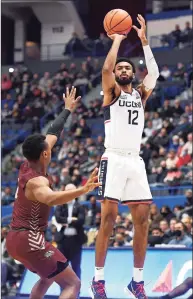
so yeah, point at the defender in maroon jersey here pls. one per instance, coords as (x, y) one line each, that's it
(34, 197)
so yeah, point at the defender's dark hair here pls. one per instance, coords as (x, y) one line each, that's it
(33, 146)
(124, 59)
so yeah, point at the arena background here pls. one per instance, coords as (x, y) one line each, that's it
(37, 38)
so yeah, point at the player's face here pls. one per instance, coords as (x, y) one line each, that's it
(124, 73)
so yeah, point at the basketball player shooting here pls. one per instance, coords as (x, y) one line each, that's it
(34, 198)
(122, 171)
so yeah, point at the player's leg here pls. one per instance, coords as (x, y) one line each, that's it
(138, 196)
(65, 277)
(51, 265)
(109, 211)
(69, 282)
(140, 215)
(40, 288)
(180, 290)
(113, 179)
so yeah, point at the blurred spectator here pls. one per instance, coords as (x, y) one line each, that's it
(7, 197)
(171, 230)
(71, 236)
(45, 82)
(155, 215)
(187, 28)
(156, 237)
(5, 112)
(181, 237)
(165, 72)
(6, 83)
(161, 172)
(64, 176)
(81, 129)
(166, 110)
(88, 43)
(104, 42)
(80, 80)
(10, 270)
(175, 143)
(149, 129)
(171, 160)
(93, 210)
(183, 127)
(157, 121)
(162, 139)
(167, 213)
(74, 45)
(187, 221)
(189, 198)
(164, 226)
(176, 34)
(173, 178)
(177, 109)
(188, 112)
(179, 73)
(187, 148)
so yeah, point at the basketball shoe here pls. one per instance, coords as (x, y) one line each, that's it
(136, 289)
(98, 289)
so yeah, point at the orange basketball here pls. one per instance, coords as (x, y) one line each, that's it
(117, 21)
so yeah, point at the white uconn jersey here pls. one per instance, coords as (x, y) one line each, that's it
(124, 122)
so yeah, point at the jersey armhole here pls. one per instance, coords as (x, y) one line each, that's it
(114, 99)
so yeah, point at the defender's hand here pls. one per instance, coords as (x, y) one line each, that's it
(70, 99)
(92, 182)
(117, 36)
(141, 31)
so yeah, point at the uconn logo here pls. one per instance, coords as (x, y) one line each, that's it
(129, 104)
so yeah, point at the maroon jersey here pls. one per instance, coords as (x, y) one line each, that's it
(28, 214)
(27, 231)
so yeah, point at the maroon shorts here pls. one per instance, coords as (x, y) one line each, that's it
(35, 253)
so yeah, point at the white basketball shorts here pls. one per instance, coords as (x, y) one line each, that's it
(123, 177)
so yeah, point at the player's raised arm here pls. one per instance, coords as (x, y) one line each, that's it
(149, 81)
(108, 77)
(38, 189)
(57, 126)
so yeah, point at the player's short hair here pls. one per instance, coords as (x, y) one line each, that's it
(125, 59)
(33, 146)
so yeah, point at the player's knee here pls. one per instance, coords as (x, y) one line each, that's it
(108, 221)
(142, 222)
(77, 285)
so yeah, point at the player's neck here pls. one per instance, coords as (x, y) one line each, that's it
(127, 88)
(38, 167)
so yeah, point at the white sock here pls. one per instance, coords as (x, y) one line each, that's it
(138, 274)
(99, 273)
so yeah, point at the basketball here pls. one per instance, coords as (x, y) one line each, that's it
(117, 21)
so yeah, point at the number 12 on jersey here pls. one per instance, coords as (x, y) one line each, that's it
(133, 116)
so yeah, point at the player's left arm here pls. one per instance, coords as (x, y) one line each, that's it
(149, 82)
(57, 126)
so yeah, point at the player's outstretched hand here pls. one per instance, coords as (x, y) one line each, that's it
(117, 36)
(70, 99)
(92, 182)
(141, 31)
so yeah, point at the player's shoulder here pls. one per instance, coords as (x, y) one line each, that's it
(36, 182)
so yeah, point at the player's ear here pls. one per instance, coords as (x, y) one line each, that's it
(133, 75)
(45, 155)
